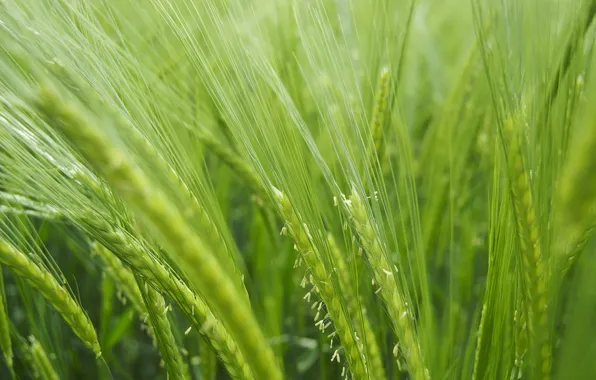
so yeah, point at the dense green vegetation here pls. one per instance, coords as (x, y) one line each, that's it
(288, 189)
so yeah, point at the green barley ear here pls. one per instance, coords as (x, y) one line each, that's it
(196, 211)
(126, 282)
(5, 341)
(356, 310)
(122, 276)
(84, 131)
(159, 326)
(50, 289)
(131, 251)
(323, 285)
(498, 309)
(158, 314)
(379, 114)
(398, 309)
(569, 253)
(41, 362)
(575, 43)
(534, 266)
(577, 198)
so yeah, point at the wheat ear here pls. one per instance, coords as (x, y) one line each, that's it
(323, 285)
(130, 251)
(397, 307)
(51, 290)
(379, 113)
(5, 341)
(534, 267)
(122, 276)
(126, 282)
(41, 362)
(571, 254)
(195, 210)
(83, 129)
(157, 310)
(159, 327)
(577, 196)
(357, 311)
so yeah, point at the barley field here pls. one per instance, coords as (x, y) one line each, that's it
(297, 189)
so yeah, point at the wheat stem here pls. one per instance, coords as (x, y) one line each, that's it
(208, 361)
(41, 362)
(5, 341)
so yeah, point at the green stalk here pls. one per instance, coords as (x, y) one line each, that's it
(5, 342)
(42, 364)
